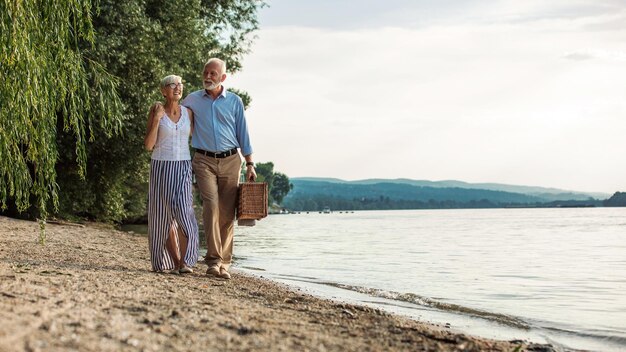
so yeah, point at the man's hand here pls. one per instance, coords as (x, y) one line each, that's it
(250, 173)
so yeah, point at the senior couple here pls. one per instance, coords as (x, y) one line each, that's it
(215, 119)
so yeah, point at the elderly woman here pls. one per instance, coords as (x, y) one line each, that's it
(172, 226)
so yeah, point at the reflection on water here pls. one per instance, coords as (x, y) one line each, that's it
(562, 272)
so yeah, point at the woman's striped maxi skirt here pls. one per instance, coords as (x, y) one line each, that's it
(170, 199)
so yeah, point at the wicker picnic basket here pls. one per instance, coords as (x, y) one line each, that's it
(252, 203)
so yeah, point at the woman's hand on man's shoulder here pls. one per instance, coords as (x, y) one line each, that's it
(157, 110)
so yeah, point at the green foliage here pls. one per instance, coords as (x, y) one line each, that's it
(51, 87)
(278, 183)
(280, 187)
(245, 97)
(336, 202)
(264, 172)
(142, 41)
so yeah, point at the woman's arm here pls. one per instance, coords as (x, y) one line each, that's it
(154, 117)
(190, 119)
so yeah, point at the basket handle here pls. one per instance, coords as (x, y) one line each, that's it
(242, 177)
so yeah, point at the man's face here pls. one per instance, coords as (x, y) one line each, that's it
(213, 76)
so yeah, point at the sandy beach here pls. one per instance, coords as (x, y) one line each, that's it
(90, 288)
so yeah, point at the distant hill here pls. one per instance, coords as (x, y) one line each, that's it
(617, 200)
(314, 193)
(548, 194)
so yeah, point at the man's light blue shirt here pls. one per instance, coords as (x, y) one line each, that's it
(220, 124)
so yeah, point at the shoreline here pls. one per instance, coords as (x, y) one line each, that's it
(91, 289)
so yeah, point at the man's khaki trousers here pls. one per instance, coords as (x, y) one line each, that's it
(217, 181)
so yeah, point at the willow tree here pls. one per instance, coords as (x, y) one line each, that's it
(48, 81)
(142, 41)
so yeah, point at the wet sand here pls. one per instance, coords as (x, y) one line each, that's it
(90, 288)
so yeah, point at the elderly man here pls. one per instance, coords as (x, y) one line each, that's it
(220, 129)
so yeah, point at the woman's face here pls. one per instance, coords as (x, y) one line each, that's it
(173, 91)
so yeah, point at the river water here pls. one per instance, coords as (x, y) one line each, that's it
(545, 275)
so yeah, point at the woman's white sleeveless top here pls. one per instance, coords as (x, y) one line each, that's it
(173, 138)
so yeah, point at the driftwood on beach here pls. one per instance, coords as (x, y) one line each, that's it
(91, 289)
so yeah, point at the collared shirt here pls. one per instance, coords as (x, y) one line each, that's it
(220, 124)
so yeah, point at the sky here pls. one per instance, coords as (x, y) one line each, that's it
(525, 92)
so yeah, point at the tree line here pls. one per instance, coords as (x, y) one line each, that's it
(78, 78)
(318, 202)
(278, 183)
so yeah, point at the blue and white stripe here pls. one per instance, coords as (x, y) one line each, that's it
(170, 199)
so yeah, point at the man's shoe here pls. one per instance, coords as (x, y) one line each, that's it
(224, 274)
(185, 270)
(213, 270)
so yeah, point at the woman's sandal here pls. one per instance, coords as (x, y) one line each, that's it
(185, 270)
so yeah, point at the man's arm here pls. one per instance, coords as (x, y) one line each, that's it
(241, 132)
(250, 171)
(241, 129)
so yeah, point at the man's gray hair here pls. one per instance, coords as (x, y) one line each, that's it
(221, 62)
(170, 79)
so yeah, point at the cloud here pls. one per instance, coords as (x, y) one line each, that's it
(578, 56)
(371, 14)
(497, 102)
(362, 14)
(583, 55)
